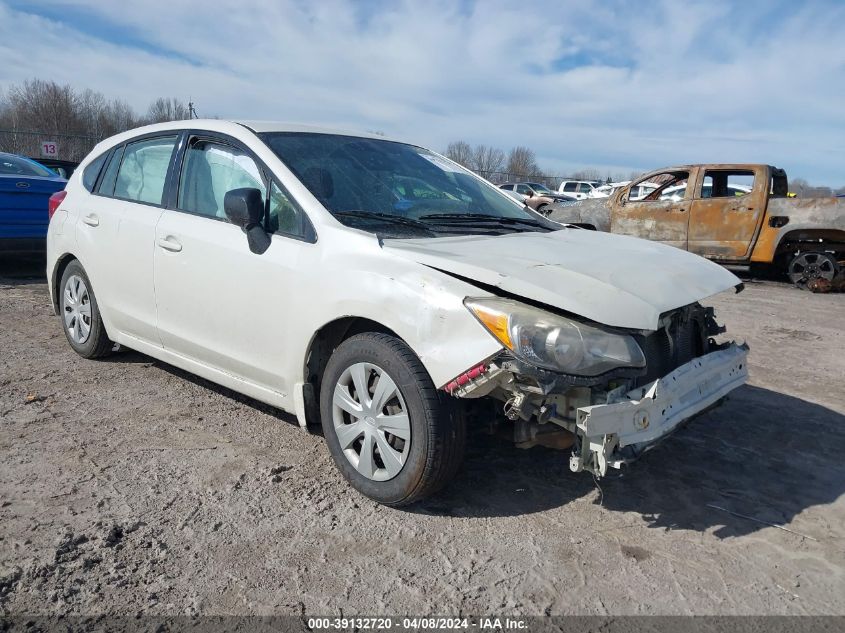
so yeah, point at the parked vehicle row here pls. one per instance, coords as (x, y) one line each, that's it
(383, 291)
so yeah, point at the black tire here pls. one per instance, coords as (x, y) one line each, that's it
(97, 344)
(437, 431)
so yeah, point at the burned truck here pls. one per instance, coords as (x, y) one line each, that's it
(731, 213)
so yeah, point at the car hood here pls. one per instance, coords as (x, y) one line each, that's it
(616, 280)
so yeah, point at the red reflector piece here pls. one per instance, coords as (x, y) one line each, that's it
(465, 377)
(55, 200)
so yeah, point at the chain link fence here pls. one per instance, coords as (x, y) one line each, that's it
(73, 147)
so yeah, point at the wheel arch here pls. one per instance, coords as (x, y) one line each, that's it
(62, 262)
(817, 238)
(324, 341)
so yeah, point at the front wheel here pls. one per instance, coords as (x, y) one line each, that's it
(812, 270)
(390, 433)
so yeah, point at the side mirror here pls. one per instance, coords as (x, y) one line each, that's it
(245, 208)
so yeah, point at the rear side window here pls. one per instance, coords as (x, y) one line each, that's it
(727, 184)
(571, 187)
(89, 176)
(143, 170)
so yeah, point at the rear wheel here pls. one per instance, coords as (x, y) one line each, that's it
(812, 270)
(81, 321)
(390, 433)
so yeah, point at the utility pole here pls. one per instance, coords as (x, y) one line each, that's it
(192, 112)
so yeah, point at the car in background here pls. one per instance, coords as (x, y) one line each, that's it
(25, 190)
(533, 194)
(63, 168)
(736, 214)
(579, 189)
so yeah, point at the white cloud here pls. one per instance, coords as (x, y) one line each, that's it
(649, 85)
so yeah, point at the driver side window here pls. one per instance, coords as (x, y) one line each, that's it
(651, 188)
(210, 170)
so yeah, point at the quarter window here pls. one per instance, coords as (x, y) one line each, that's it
(286, 216)
(89, 176)
(211, 169)
(143, 170)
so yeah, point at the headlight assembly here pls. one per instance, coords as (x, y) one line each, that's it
(553, 342)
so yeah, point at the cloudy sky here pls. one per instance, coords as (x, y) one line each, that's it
(619, 86)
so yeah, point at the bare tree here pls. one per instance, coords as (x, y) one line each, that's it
(522, 163)
(487, 160)
(460, 152)
(587, 174)
(36, 110)
(164, 109)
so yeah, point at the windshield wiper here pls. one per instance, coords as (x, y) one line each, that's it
(384, 217)
(464, 218)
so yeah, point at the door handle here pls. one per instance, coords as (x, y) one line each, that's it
(91, 219)
(169, 243)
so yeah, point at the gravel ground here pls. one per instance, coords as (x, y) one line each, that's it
(131, 487)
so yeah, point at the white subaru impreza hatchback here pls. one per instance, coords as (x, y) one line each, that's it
(378, 288)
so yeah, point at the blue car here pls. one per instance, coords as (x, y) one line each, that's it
(25, 188)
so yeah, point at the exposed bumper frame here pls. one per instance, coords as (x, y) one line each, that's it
(643, 416)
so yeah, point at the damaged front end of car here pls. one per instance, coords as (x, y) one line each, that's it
(609, 394)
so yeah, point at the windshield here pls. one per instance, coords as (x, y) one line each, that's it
(396, 189)
(17, 166)
(540, 188)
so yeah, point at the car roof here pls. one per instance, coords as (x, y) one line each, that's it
(260, 127)
(232, 127)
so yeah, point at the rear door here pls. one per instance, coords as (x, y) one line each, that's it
(651, 218)
(116, 233)
(727, 210)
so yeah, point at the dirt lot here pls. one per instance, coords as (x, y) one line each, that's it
(128, 486)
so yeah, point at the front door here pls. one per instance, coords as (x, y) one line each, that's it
(727, 209)
(219, 303)
(654, 216)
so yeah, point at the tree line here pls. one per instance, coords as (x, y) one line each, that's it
(38, 110)
(519, 164)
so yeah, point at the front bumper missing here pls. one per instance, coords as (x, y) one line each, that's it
(615, 433)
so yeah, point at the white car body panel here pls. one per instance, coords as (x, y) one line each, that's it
(578, 271)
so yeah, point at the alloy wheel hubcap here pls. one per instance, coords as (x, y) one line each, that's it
(371, 421)
(76, 309)
(811, 266)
